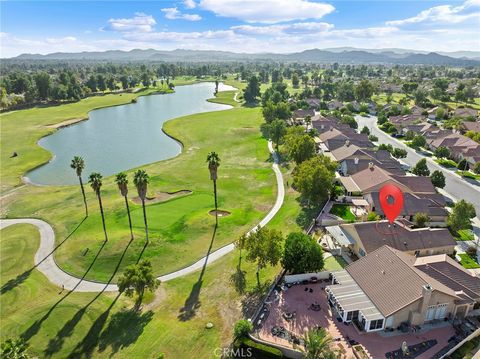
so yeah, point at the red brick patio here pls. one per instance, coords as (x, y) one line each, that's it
(296, 299)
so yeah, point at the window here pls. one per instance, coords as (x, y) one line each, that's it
(376, 324)
(361, 252)
(349, 316)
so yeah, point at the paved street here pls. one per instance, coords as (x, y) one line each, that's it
(456, 187)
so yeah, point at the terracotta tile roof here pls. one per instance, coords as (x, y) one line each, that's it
(390, 280)
(472, 126)
(370, 177)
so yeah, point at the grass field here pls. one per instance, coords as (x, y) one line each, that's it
(465, 235)
(334, 263)
(81, 324)
(467, 261)
(180, 228)
(342, 211)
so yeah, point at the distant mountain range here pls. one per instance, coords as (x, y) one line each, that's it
(340, 55)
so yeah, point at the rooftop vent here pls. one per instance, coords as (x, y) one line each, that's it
(355, 160)
(371, 165)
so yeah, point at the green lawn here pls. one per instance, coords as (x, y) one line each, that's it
(468, 174)
(103, 326)
(342, 211)
(334, 263)
(467, 261)
(465, 235)
(446, 163)
(180, 228)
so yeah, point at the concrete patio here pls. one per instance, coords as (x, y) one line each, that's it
(297, 300)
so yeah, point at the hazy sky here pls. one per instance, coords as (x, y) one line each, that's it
(237, 25)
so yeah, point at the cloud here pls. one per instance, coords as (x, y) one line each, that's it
(267, 11)
(444, 14)
(139, 23)
(275, 30)
(172, 13)
(189, 4)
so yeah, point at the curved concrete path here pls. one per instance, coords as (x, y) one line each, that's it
(45, 262)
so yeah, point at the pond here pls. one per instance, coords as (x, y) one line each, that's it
(118, 138)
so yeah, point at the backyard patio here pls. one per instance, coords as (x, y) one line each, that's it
(289, 314)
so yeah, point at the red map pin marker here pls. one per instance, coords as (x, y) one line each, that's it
(391, 200)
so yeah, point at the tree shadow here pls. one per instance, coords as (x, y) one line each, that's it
(238, 279)
(56, 343)
(192, 303)
(307, 213)
(253, 298)
(124, 328)
(12, 283)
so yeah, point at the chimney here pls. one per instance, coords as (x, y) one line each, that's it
(322, 126)
(347, 142)
(426, 295)
(371, 166)
(355, 160)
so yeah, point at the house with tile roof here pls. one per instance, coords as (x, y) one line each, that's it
(388, 288)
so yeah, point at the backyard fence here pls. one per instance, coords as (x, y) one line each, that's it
(306, 276)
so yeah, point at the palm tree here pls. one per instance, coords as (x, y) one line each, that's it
(95, 181)
(317, 344)
(213, 163)
(78, 164)
(141, 179)
(122, 182)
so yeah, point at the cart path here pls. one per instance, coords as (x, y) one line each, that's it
(45, 261)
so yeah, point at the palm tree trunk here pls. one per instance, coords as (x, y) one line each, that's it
(216, 206)
(129, 217)
(145, 218)
(84, 197)
(103, 216)
(258, 276)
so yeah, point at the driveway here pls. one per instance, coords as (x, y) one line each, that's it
(455, 186)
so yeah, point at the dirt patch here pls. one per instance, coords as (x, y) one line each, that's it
(220, 213)
(162, 196)
(67, 123)
(160, 295)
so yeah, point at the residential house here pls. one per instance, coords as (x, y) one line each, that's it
(366, 237)
(471, 126)
(335, 105)
(461, 147)
(362, 161)
(300, 114)
(402, 121)
(313, 103)
(465, 112)
(413, 203)
(389, 287)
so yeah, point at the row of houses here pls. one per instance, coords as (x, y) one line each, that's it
(363, 170)
(460, 146)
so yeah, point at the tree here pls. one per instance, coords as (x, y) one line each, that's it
(122, 182)
(252, 91)
(410, 135)
(314, 179)
(213, 161)
(476, 168)
(460, 216)
(365, 130)
(92, 83)
(136, 279)
(141, 180)
(418, 141)
(242, 328)
(463, 165)
(317, 344)
(95, 181)
(399, 153)
(78, 164)
(364, 90)
(277, 131)
(420, 95)
(421, 219)
(264, 246)
(349, 120)
(302, 254)
(14, 349)
(300, 148)
(373, 138)
(442, 152)
(346, 91)
(372, 216)
(295, 80)
(421, 168)
(438, 179)
(43, 84)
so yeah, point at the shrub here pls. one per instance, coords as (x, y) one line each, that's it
(372, 216)
(374, 138)
(260, 350)
(472, 251)
(421, 219)
(463, 165)
(242, 328)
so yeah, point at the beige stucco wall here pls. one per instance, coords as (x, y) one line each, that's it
(411, 313)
